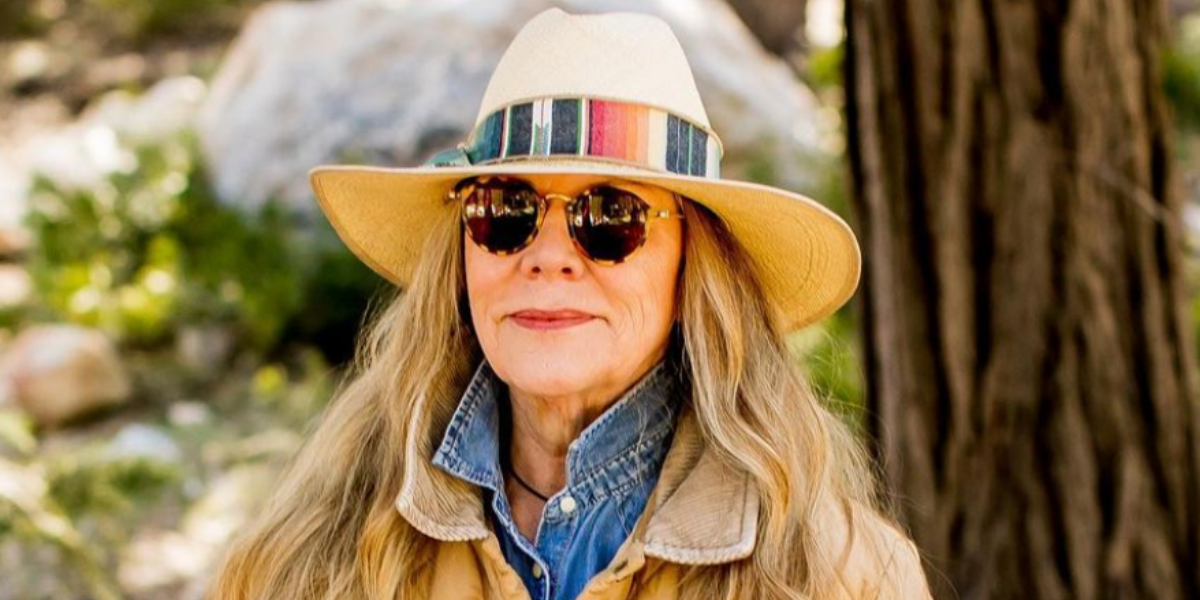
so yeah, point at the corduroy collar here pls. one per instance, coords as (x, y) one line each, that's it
(701, 511)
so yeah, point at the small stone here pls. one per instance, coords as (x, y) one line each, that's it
(188, 413)
(15, 286)
(204, 349)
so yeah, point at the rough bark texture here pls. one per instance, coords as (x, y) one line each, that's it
(1030, 368)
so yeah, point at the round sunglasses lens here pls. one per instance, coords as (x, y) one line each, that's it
(610, 223)
(500, 215)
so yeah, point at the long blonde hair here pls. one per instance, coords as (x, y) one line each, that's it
(331, 531)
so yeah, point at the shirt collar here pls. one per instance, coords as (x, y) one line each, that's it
(702, 510)
(638, 423)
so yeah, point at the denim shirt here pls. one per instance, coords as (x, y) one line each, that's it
(611, 469)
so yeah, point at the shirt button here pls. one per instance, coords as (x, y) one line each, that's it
(537, 571)
(567, 505)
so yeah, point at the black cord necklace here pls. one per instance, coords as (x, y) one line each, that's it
(526, 485)
(505, 442)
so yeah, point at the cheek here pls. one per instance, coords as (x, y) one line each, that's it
(666, 280)
(648, 291)
(482, 281)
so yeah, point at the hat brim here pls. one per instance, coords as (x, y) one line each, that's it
(808, 257)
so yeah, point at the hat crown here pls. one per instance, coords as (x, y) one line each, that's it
(624, 56)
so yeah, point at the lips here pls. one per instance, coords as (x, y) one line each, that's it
(550, 319)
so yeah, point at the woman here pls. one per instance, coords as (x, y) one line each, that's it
(584, 390)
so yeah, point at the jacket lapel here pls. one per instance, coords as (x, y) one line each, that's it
(439, 505)
(708, 511)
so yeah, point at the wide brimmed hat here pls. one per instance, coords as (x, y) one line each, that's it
(608, 94)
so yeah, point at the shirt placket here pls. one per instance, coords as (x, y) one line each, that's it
(543, 561)
(559, 520)
(532, 565)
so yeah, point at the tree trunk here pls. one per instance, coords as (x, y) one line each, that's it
(1030, 368)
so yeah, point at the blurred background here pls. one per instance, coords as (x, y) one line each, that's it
(1024, 178)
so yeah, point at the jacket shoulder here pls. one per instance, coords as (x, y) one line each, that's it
(877, 560)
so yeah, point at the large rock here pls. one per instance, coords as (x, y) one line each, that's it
(57, 373)
(390, 82)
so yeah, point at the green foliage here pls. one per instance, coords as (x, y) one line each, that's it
(761, 167)
(829, 353)
(8, 520)
(823, 70)
(293, 395)
(18, 19)
(17, 432)
(86, 502)
(139, 20)
(30, 515)
(336, 294)
(831, 188)
(149, 249)
(246, 271)
(108, 487)
(1181, 73)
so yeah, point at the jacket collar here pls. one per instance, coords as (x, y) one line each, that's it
(687, 519)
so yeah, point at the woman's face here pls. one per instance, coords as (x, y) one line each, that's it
(627, 309)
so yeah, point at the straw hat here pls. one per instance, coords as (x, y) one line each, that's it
(607, 94)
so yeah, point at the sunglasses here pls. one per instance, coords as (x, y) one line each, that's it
(503, 215)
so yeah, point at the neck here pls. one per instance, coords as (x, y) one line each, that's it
(542, 430)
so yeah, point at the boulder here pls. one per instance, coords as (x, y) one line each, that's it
(57, 373)
(391, 82)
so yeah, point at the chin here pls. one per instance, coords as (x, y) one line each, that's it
(548, 375)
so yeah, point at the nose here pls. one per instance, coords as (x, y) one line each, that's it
(553, 252)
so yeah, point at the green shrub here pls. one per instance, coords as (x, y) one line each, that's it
(830, 355)
(823, 70)
(31, 516)
(95, 486)
(336, 293)
(149, 249)
(18, 18)
(141, 20)
(1181, 73)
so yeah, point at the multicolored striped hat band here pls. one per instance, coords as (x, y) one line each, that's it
(624, 132)
(608, 96)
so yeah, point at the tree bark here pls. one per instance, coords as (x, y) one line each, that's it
(1030, 367)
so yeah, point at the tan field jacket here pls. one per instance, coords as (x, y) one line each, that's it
(701, 512)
